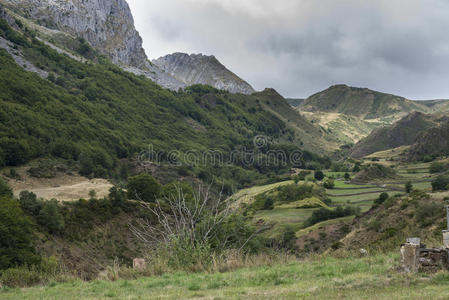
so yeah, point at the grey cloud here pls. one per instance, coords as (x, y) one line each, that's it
(302, 46)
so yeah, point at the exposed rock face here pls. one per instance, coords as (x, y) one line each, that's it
(201, 69)
(108, 25)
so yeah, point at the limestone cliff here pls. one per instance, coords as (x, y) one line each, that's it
(202, 69)
(107, 25)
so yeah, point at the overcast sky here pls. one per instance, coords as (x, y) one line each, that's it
(300, 47)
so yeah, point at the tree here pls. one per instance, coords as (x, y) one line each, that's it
(143, 187)
(16, 232)
(347, 176)
(356, 168)
(319, 175)
(382, 198)
(289, 238)
(408, 187)
(51, 217)
(441, 183)
(30, 203)
(268, 204)
(437, 167)
(117, 196)
(5, 190)
(329, 183)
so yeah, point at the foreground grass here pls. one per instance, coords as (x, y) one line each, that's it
(327, 278)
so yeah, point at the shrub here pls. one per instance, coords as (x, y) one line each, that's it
(319, 175)
(293, 192)
(408, 187)
(143, 187)
(289, 238)
(324, 214)
(51, 217)
(441, 183)
(329, 183)
(30, 203)
(268, 204)
(437, 167)
(117, 196)
(428, 213)
(5, 190)
(382, 198)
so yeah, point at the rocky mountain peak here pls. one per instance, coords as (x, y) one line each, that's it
(107, 25)
(202, 69)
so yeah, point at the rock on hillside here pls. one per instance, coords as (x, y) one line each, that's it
(202, 69)
(107, 25)
(402, 133)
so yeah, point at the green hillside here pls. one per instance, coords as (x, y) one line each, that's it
(402, 133)
(96, 114)
(361, 102)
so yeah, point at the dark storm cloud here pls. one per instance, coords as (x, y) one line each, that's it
(302, 46)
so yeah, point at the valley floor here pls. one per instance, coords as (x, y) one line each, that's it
(374, 277)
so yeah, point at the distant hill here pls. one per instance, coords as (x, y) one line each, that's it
(202, 69)
(295, 102)
(312, 136)
(361, 102)
(401, 133)
(432, 142)
(352, 113)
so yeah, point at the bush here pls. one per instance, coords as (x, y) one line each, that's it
(324, 214)
(30, 203)
(143, 187)
(382, 198)
(117, 196)
(20, 277)
(289, 238)
(26, 276)
(408, 187)
(51, 217)
(441, 183)
(329, 183)
(428, 213)
(16, 232)
(293, 192)
(268, 204)
(5, 190)
(319, 175)
(437, 167)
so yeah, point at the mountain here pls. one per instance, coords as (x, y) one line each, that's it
(405, 132)
(361, 102)
(351, 113)
(202, 69)
(107, 25)
(84, 109)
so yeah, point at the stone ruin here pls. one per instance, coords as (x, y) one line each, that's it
(416, 257)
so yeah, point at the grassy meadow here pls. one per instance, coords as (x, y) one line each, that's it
(314, 278)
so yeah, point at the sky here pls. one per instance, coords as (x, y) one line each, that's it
(300, 47)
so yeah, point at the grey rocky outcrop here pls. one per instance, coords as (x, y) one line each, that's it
(202, 69)
(107, 25)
